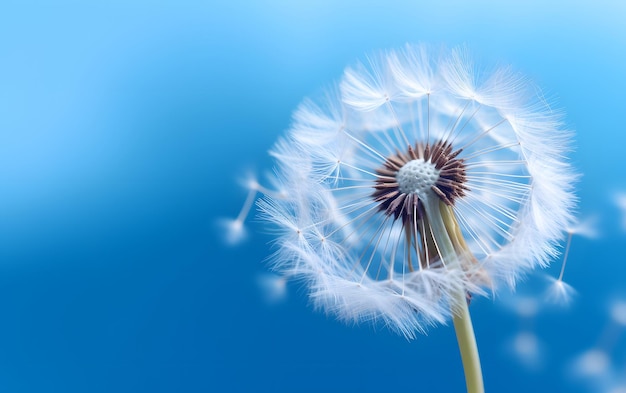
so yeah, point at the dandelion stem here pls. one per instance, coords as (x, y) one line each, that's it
(467, 345)
(441, 224)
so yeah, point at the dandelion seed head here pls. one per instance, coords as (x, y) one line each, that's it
(415, 179)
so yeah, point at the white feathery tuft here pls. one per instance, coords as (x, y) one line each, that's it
(560, 292)
(411, 69)
(364, 90)
(587, 228)
(233, 230)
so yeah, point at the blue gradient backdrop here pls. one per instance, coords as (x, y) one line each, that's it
(124, 129)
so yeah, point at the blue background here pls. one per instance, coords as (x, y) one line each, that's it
(124, 129)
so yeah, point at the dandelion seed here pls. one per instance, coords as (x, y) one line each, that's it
(527, 348)
(587, 228)
(526, 307)
(593, 363)
(234, 231)
(620, 200)
(560, 292)
(273, 286)
(618, 312)
(526, 344)
(414, 186)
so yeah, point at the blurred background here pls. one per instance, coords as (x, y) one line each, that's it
(126, 128)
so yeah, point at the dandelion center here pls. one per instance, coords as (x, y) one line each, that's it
(424, 170)
(417, 176)
(411, 186)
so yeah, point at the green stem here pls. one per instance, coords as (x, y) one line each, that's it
(469, 350)
(462, 320)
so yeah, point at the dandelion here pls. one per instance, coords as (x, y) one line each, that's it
(416, 184)
(559, 291)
